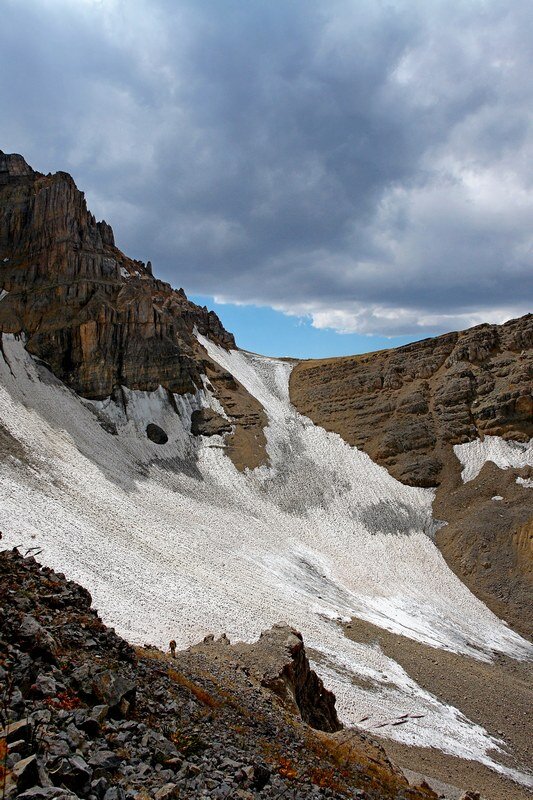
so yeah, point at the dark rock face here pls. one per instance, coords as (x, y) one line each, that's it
(279, 662)
(206, 422)
(98, 318)
(406, 406)
(290, 676)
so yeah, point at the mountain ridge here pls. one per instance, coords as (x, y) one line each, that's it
(99, 318)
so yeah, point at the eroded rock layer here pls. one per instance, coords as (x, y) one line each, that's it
(405, 406)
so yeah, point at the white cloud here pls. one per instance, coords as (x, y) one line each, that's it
(370, 166)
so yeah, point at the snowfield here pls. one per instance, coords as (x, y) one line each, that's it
(504, 454)
(173, 542)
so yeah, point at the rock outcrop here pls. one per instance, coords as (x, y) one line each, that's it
(85, 715)
(97, 317)
(206, 422)
(405, 406)
(279, 662)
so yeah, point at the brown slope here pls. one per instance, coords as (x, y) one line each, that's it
(489, 543)
(407, 408)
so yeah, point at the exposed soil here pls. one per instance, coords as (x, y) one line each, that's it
(498, 696)
(489, 543)
(246, 446)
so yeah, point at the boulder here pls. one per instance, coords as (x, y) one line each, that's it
(26, 773)
(115, 690)
(156, 434)
(17, 730)
(36, 638)
(72, 772)
(47, 793)
(206, 422)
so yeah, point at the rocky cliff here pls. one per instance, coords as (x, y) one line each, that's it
(405, 406)
(97, 317)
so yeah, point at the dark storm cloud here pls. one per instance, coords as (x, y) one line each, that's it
(367, 163)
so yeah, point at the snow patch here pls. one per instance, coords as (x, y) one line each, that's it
(3, 294)
(526, 482)
(504, 454)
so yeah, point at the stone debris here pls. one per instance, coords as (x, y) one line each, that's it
(220, 720)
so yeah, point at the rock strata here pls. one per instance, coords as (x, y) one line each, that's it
(98, 318)
(101, 320)
(406, 406)
(122, 724)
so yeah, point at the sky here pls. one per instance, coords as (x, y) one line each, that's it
(331, 177)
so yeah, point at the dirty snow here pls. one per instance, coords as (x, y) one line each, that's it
(174, 542)
(504, 454)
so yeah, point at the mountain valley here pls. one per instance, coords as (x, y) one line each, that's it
(380, 505)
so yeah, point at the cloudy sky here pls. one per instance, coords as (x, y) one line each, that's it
(336, 172)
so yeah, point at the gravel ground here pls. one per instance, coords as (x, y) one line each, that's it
(498, 696)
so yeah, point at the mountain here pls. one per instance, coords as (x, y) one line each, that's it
(97, 318)
(185, 483)
(405, 406)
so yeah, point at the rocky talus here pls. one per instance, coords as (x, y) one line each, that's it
(99, 319)
(85, 715)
